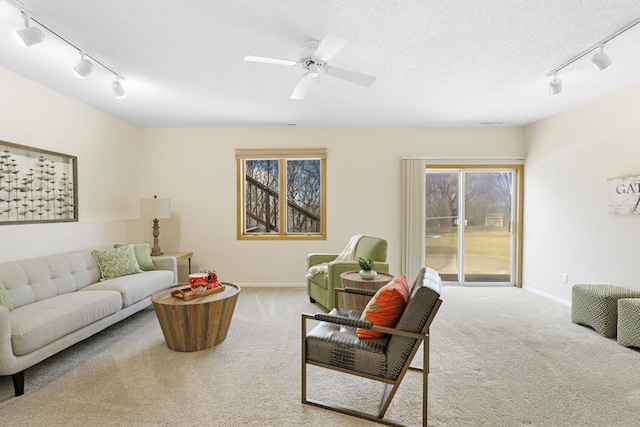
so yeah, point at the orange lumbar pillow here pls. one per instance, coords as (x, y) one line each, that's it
(385, 307)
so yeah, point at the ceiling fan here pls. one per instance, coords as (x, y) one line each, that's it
(314, 59)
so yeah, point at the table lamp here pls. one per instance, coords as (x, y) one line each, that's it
(154, 209)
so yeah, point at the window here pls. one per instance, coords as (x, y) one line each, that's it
(281, 193)
(472, 214)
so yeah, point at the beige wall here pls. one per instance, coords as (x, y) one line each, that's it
(196, 169)
(108, 177)
(567, 225)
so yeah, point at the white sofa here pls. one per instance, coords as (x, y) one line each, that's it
(60, 300)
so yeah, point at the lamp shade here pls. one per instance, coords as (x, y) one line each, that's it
(155, 208)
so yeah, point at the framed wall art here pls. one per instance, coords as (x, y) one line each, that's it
(624, 195)
(37, 186)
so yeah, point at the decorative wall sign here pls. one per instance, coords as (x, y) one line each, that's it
(624, 195)
(37, 185)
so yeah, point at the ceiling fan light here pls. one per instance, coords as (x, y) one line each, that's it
(601, 61)
(117, 89)
(83, 68)
(555, 86)
(30, 36)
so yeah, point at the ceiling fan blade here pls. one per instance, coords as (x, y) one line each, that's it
(351, 76)
(329, 46)
(262, 59)
(300, 92)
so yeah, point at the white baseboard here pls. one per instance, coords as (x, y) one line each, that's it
(546, 295)
(271, 285)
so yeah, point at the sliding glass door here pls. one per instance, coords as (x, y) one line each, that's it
(470, 222)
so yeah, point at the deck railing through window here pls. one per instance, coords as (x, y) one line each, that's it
(261, 209)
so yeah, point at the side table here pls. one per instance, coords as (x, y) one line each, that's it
(179, 256)
(352, 279)
(196, 324)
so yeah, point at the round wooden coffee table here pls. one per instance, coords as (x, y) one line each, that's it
(352, 279)
(196, 324)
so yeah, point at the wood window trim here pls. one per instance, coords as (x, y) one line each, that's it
(282, 155)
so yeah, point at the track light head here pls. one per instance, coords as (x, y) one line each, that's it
(601, 60)
(555, 85)
(29, 36)
(117, 88)
(84, 67)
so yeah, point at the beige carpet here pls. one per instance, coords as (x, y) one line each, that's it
(500, 357)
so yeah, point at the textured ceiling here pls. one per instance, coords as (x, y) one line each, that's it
(437, 62)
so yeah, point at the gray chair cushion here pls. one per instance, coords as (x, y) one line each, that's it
(338, 345)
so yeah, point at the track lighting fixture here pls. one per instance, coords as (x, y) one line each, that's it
(555, 85)
(84, 67)
(29, 36)
(601, 60)
(117, 88)
(33, 35)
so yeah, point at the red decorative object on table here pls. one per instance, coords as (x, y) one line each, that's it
(199, 282)
(212, 279)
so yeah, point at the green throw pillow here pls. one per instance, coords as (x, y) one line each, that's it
(143, 255)
(5, 298)
(116, 262)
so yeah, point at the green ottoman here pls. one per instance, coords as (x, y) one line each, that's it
(629, 322)
(597, 306)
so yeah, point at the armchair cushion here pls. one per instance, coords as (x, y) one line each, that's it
(385, 307)
(337, 344)
(371, 247)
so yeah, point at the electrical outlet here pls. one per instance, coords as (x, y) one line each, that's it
(565, 278)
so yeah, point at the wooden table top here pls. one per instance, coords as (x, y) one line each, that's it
(177, 255)
(354, 276)
(164, 297)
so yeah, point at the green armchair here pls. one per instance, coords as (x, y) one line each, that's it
(320, 287)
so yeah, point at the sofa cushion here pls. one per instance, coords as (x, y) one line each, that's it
(36, 325)
(142, 252)
(386, 306)
(136, 287)
(116, 262)
(40, 278)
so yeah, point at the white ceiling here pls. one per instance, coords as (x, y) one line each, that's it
(437, 62)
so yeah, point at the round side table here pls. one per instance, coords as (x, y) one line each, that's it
(352, 279)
